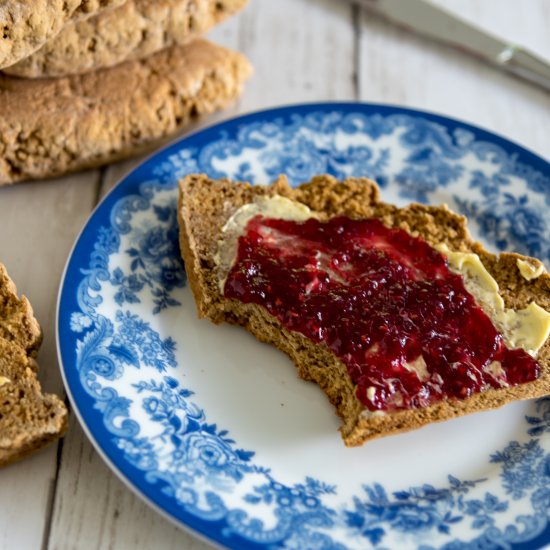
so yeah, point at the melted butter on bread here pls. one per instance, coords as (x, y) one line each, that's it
(526, 328)
(530, 269)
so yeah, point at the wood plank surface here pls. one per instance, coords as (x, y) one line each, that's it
(302, 50)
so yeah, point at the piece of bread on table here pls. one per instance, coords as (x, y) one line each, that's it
(17, 321)
(26, 25)
(29, 419)
(204, 207)
(134, 30)
(49, 127)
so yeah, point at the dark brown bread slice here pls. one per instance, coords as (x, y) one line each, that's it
(53, 126)
(204, 207)
(29, 419)
(134, 30)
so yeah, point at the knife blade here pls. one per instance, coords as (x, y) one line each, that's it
(425, 18)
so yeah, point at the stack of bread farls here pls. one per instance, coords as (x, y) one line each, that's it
(86, 82)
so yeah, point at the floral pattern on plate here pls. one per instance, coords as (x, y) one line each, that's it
(123, 289)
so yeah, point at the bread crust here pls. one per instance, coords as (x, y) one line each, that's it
(17, 321)
(29, 419)
(134, 30)
(26, 25)
(53, 126)
(204, 207)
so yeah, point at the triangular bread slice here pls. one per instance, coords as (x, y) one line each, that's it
(29, 419)
(204, 207)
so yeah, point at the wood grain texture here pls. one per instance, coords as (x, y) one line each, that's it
(94, 509)
(302, 50)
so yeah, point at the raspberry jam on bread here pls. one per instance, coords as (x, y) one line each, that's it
(384, 302)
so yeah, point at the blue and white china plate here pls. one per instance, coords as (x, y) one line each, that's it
(216, 430)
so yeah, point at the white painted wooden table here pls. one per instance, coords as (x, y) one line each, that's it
(303, 50)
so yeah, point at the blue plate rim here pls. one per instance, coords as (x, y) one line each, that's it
(126, 181)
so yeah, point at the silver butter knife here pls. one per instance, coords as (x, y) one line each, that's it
(423, 17)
